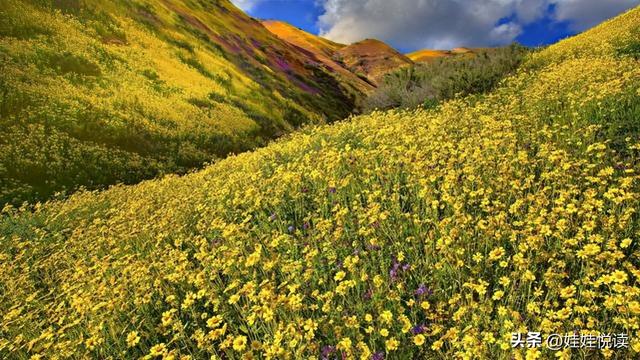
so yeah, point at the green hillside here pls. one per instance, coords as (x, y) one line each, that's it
(427, 234)
(94, 93)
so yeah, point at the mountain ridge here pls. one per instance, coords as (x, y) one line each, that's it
(319, 49)
(372, 58)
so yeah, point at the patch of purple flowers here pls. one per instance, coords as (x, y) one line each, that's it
(418, 329)
(396, 268)
(423, 290)
(326, 351)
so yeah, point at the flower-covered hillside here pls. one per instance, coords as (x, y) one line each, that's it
(396, 235)
(94, 93)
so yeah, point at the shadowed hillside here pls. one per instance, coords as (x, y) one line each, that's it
(423, 234)
(94, 93)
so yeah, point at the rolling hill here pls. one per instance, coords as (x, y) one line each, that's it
(320, 50)
(424, 234)
(428, 55)
(318, 46)
(94, 93)
(371, 59)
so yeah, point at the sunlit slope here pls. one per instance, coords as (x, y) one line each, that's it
(98, 92)
(427, 234)
(302, 38)
(427, 55)
(371, 59)
(320, 50)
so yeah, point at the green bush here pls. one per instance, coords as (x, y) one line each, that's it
(427, 84)
(631, 47)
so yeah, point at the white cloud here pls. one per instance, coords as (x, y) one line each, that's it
(413, 24)
(505, 33)
(245, 5)
(583, 14)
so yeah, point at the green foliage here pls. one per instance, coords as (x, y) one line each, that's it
(445, 78)
(630, 47)
(69, 63)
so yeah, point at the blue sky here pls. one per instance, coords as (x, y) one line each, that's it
(301, 13)
(409, 25)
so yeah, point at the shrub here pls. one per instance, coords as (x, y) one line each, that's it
(70, 63)
(630, 47)
(445, 78)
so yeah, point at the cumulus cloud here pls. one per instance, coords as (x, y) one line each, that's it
(444, 24)
(583, 14)
(245, 5)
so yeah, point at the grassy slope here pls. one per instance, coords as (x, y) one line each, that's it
(518, 210)
(98, 92)
(302, 38)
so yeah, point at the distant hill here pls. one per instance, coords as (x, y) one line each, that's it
(371, 58)
(320, 50)
(429, 55)
(94, 93)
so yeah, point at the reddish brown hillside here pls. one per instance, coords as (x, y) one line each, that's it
(371, 58)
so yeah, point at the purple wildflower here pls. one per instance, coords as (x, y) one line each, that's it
(332, 190)
(423, 290)
(368, 294)
(273, 217)
(418, 329)
(327, 350)
(378, 356)
(393, 273)
(291, 228)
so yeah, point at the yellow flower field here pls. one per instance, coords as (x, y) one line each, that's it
(94, 93)
(397, 235)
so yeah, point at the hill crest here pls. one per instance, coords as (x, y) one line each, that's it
(319, 50)
(372, 58)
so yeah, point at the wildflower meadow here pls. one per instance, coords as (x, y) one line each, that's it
(406, 234)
